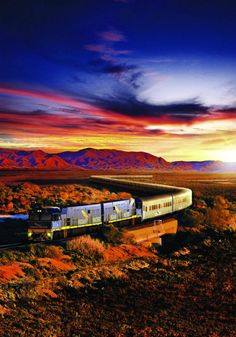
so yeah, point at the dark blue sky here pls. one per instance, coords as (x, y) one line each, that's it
(160, 66)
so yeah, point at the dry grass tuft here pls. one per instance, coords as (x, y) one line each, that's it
(55, 252)
(13, 271)
(86, 246)
(55, 264)
(3, 310)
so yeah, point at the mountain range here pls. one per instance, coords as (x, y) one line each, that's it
(95, 159)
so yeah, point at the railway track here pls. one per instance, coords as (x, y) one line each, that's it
(130, 228)
(126, 182)
(17, 245)
(122, 180)
(11, 246)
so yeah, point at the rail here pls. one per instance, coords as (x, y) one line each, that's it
(150, 187)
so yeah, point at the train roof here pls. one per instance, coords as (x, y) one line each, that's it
(78, 205)
(155, 197)
(97, 203)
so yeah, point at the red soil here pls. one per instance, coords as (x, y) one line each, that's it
(125, 252)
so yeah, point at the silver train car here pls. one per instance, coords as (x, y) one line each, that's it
(53, 222)
(157, 206)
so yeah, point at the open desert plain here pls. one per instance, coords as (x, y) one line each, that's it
(108, 285)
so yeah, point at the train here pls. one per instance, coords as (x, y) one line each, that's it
(52, 222)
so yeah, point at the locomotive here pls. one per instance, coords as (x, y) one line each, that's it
(53, 222)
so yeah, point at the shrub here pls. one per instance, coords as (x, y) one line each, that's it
(86, 246)
(37, 250)
(112, 234)
(41, 250)
(55, 252)
(192, 218)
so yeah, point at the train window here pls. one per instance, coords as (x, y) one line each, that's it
(68, 221)
(89, 211)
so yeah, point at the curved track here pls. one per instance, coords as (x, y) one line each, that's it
(159, 200)
(127, 181)
(121, 180)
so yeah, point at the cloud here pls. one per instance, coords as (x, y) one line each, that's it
(106, 51)
(126, 103)
(110, 59)
(112, 36)
(119, 114)
(125, 73)
(112, 68)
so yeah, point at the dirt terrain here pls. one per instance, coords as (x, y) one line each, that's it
(114, 288)
(184, 290)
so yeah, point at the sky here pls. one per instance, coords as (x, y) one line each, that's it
(157, 76)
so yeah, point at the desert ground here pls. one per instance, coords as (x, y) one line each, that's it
(109, 286)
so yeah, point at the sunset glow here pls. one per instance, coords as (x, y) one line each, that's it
(120, 85)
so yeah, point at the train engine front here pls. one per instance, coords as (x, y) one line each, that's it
(43, 221)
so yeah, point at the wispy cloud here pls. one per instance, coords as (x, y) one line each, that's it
(112, 36)
(72, 123)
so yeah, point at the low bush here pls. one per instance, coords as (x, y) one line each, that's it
(112, 234)
(86, 246)
(55, 252)
(42, 250)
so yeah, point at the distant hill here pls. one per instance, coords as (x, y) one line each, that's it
(94, 159)
(10, 159)
(205, 166)
(114, 159)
